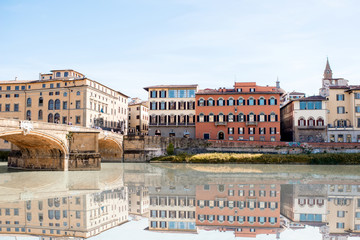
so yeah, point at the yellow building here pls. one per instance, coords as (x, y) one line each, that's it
(138, 117)
(64, 97)
(75, 216)
(343, 115)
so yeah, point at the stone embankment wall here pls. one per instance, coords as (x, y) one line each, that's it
(143, 148)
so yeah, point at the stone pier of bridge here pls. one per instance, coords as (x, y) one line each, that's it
(58, 147)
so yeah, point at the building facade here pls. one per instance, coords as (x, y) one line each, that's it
(304, 120)
(248, 209)
(64, 97)
(172, 208)
(138, 117)
(73, 216)
(343, 114)
(289, 96)
(245, 112)
(172, 110)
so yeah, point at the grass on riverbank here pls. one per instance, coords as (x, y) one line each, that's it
(320, 158)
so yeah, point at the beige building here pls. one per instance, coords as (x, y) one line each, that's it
(79, 216)
(343, 209)
(343, 107)
(303, 120)
(172, 110)
(138, 200)
(64, 97)
(138, 117)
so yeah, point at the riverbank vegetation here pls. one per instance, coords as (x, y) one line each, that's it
(319, 158)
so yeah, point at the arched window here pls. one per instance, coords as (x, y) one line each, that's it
(65, 94)
(28, 102)
(261, 101)
(231, 102)
(320, 122)
(241, 101)
(211, 117)
(230, 117)
(78, 93)
(50, 118)
(57, 118)
(311, 122)
(302, 122)
(241, 117)
(273, 117)
(251, 101)
(201, 102)
(40, 115)
(220, 102)
(201, 117)
(272, 101)
(211, 102)
(51, 104)
(251, 117)
(28, 115)
(262, 117)
(41, 101)
(57, 74)
(221, 117)
(57, 104)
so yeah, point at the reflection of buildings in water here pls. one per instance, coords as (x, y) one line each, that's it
(172, 208)
(80, 216)
(138, 200)
(343, 210)
(247, 209)
(304, 203)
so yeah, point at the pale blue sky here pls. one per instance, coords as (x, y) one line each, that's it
(129, 45)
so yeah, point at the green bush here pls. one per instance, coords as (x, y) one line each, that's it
(170, 149)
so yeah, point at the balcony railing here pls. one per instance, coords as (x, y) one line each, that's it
(220, 123)
(310, 127)
(251, 123)
(171, 124)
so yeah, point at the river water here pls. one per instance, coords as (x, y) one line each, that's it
(182, 201)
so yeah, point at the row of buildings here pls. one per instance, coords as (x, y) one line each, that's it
(246, 112)
(249, 210)
(246, 209)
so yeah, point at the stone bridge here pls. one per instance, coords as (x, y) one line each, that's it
(50, 146)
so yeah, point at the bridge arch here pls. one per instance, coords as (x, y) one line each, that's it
(110, 149)
(36, 150)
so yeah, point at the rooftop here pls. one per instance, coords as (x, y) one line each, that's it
(172, 86)
(312, 98)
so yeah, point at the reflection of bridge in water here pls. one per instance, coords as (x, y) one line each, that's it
(50, 146)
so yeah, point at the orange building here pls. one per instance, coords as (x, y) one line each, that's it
(249, 209)
(246, 112)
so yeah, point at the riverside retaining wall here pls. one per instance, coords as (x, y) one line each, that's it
(143, 148)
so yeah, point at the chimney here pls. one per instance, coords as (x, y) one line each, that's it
(15, 78)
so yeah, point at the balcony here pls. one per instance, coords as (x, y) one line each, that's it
(171, 124)
(311, 127)
(251, 123)
(220, 123)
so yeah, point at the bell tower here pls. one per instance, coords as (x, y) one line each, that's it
(327, 71)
